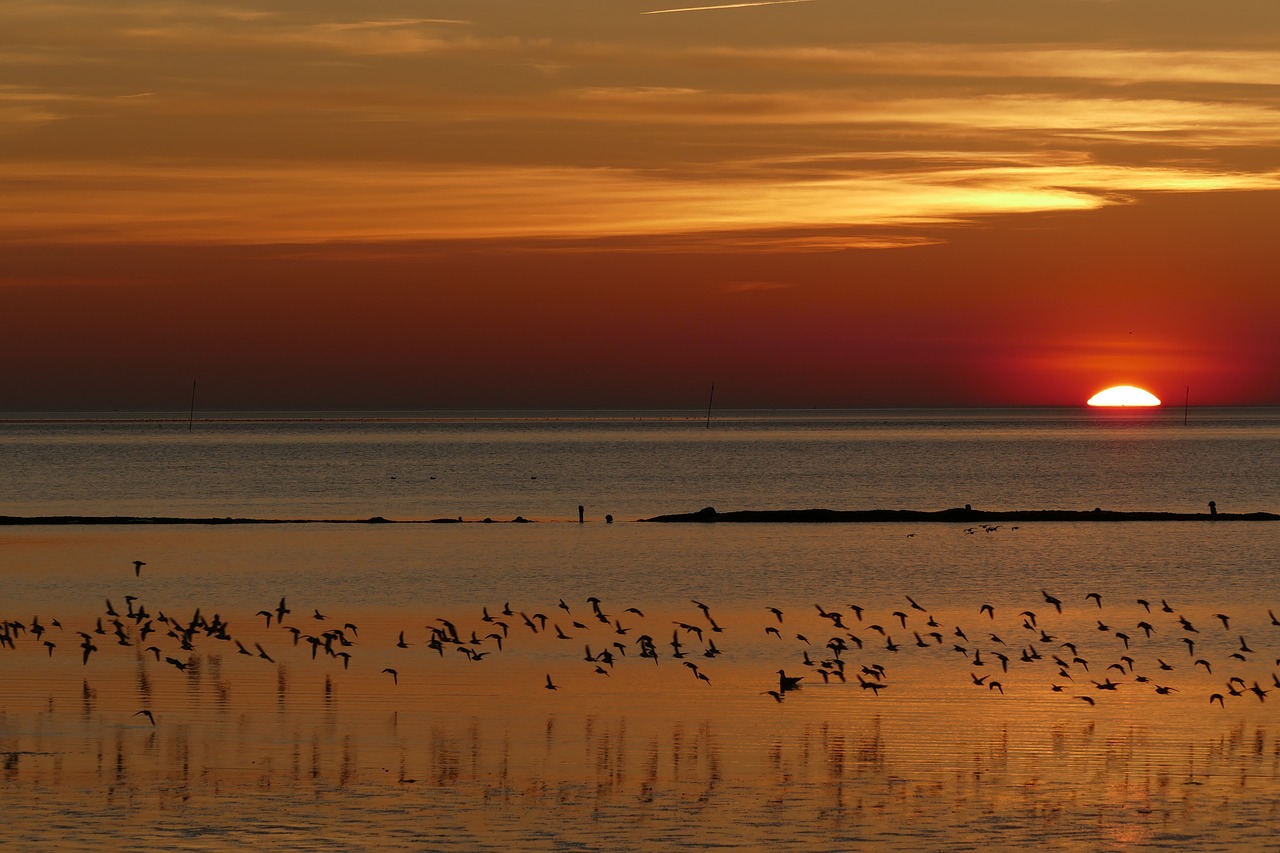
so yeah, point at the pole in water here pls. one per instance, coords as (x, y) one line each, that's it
(191, 418)
(709, 401)
(1186, 406)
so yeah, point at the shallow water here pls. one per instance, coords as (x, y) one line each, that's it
(643, 464)
(459, 755)
(302, 753)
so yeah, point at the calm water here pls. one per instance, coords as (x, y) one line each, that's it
(634, 465)
(303, 752)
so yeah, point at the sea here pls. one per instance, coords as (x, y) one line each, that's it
(455, 631)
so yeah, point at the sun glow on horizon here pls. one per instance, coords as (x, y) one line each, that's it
(1124, 395)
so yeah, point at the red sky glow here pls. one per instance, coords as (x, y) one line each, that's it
(443, 204)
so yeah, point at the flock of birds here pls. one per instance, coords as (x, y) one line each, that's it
(1138, 646)
(1125, 647)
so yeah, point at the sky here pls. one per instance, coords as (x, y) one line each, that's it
(451, 204)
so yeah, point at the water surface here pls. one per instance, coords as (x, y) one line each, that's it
(302, 753)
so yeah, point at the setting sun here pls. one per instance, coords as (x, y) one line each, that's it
(1124, 395)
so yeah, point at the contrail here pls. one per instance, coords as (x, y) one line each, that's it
(724, 6)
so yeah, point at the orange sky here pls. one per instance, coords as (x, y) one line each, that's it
(423, 204)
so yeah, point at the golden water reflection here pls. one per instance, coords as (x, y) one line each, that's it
(314, 762)
(262, 738)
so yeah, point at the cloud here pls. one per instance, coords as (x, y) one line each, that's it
(724, 6)
(527, 126)
(22, 108)
(355, 38)
(167, 202)
(1020, 62)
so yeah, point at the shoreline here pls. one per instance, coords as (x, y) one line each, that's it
(707, 515)
(94, 520)
(957, 515)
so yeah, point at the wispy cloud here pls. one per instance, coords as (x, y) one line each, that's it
(522, 125)
(397, 37)
(1052, 61)
(176, 202)
(724, 6)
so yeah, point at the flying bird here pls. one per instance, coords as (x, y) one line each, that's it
(1049, 599)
